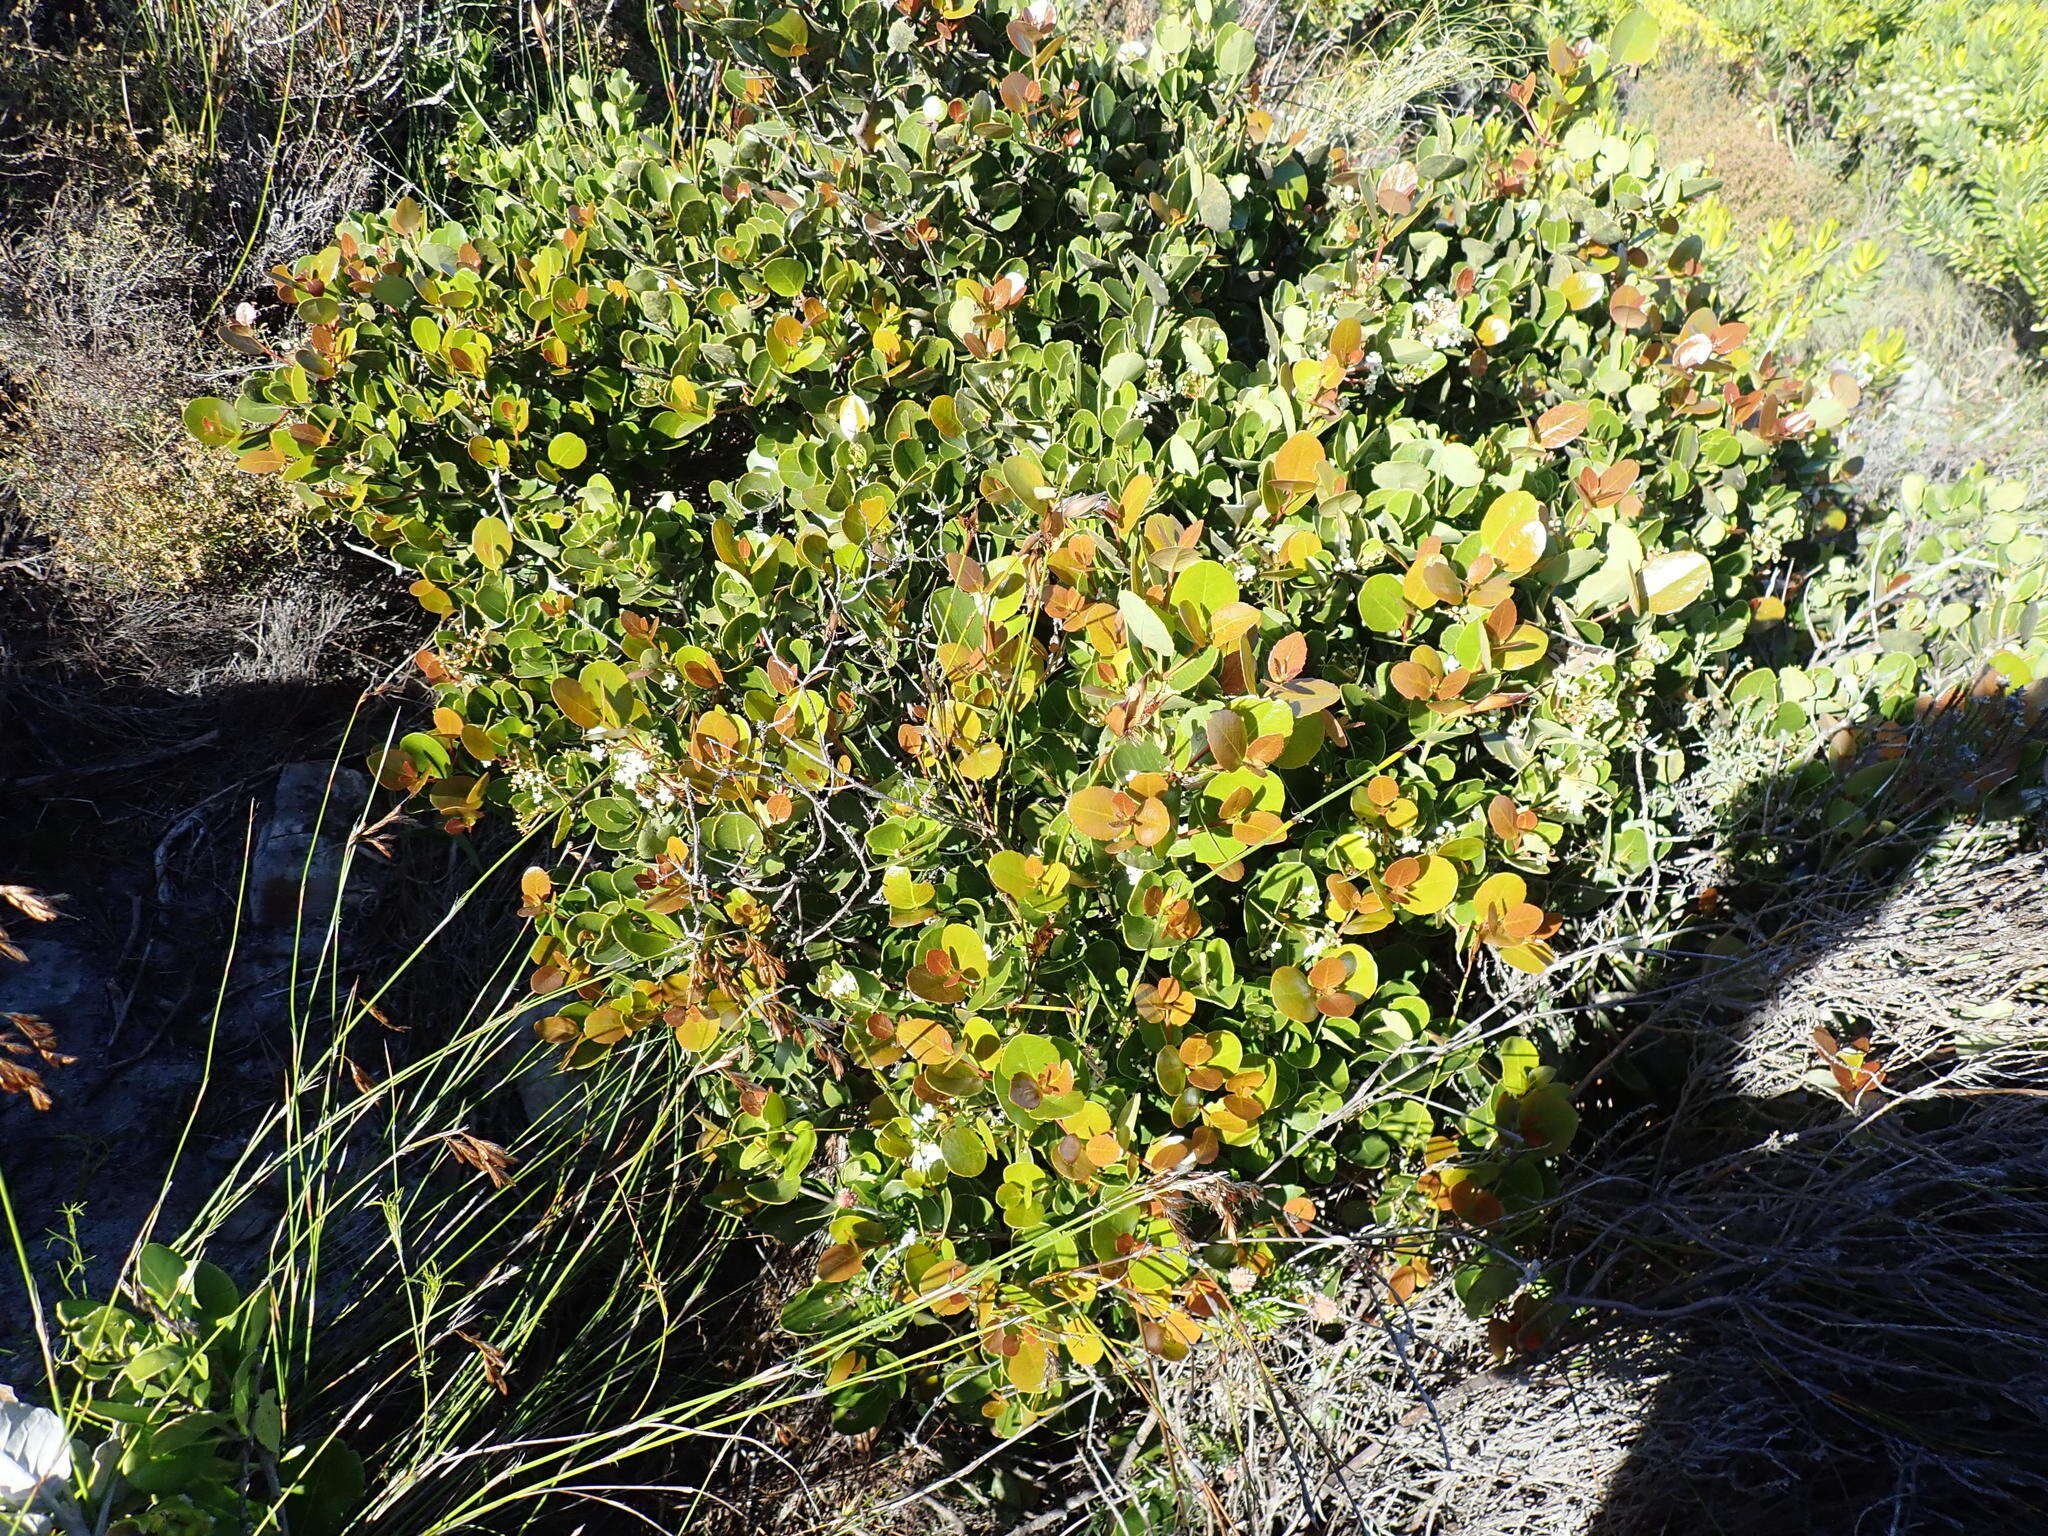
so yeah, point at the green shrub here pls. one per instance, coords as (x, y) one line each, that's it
(1058, 632)
(1956, 93)
(178, 1390)
(1920, 669)
(1967, 91)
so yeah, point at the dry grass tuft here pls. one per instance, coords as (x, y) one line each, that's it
(96, 355)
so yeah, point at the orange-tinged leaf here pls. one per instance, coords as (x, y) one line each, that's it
(1169, 1153)
(1503, 818)
(1287, 657)
(839, 1263)
(1266, 750)
(1259, 828)
(1153, 824)
(1330, 971)
(1297, 463)
(1562, 424)
(1408, 1279)
(1411, 681)
(1100, 812)
(928, 1041)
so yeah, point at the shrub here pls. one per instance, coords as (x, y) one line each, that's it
(98, 362)
(1957, 94)
(1967, 92)
(1920, 671)
(178, 1389)
(1058, 631)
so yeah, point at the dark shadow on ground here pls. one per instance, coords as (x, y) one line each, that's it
(1854, 1269)
(139, 775)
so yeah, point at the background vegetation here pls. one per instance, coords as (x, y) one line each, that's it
(1160, 732)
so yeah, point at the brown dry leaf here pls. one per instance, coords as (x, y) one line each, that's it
(487, 1157)
(35, 1037)
(492, 1357)
(15, 1078)
(31, 904)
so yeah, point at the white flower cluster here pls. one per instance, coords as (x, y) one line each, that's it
(1925, 108)
(1439, 323)
(1580, 696)
(632, 770)
(1574, 794)
(534, 793)
(925, 1153)
(1770, 530)
(1154, 390)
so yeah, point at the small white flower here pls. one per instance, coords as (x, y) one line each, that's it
(629, 766)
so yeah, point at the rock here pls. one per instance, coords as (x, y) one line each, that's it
(299, 858)
(306, 895)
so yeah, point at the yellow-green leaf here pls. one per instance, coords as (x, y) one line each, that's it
(491, 541)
